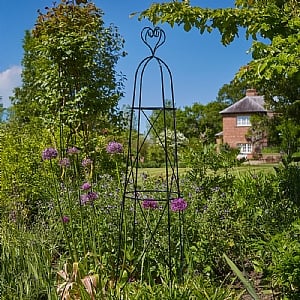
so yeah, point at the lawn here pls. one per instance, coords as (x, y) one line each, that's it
(256, 168)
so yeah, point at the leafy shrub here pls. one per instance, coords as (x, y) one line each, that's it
(23, 177)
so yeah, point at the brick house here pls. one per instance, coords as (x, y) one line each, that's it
(236, 124)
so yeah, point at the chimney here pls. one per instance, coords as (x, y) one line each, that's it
(251, 92)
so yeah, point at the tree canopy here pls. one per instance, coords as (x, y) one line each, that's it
(272, 24)
(69, 74)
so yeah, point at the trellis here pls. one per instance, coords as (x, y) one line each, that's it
(151, 229)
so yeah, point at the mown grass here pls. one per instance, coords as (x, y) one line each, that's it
(261, 168)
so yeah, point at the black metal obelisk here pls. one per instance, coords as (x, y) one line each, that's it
(151, 232)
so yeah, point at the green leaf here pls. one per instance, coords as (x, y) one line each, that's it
(240, 275)
(187, 26)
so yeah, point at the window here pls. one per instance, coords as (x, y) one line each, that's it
(245, 148)
(243, 121)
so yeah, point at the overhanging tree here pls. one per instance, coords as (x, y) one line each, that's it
(274, 26)
(69, 75)
(276, 57)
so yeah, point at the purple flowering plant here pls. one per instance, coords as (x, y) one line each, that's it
(86, 186)
(88, 198)
(178, 204)
(150, 204)
(49, 153)
(72, 150)
(65, 219)
(64, 162)
(114, 148)
(86, 162)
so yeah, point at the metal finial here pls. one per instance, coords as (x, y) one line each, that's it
(157, 34)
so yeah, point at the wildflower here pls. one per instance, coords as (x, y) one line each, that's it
(114, 147)
(93, 196)
(49, 153)
(64, 162)
(86, 186)
(84, 199)
(86, 162)
(88, 198)
(72, 150)
(178, 204)
(65, 219)
(150, 204)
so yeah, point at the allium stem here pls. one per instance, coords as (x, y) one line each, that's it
(61, 212)
(72, 216)
(118, 176)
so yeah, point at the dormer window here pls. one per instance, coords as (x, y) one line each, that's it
(243, 121)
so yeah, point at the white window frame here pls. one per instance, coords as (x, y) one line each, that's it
(245, 148)
(243, 121)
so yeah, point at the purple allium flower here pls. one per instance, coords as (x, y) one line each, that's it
(72, 150)
(64, 162)
(49, 153)
(93, 195)
(84, 199)
(178, 204)
(88, 198)
(86, 162)
(86, 186)
(65, 219)
(150, 204)
(114, 147)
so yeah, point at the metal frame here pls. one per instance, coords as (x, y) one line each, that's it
(134, 192)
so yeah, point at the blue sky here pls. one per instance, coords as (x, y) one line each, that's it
(200, 64)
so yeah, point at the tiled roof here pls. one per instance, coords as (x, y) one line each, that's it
(245, 105)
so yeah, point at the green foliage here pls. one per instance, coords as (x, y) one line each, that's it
(290, 135)
(232, 92)
(203, 158)
(69, 75)
(193, 120)
(193, 288)
(196, 121)
(278, 259)
(261, 19)
(247, 284)
(56, 241)
(229, 214)
(22, 180)
(26, 259)
(199, 119)
(289, 176)
(273, 26)
(285, 261)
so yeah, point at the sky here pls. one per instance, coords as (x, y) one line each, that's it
(200, 64)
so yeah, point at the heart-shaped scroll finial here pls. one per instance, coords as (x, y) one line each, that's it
(153, 38)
